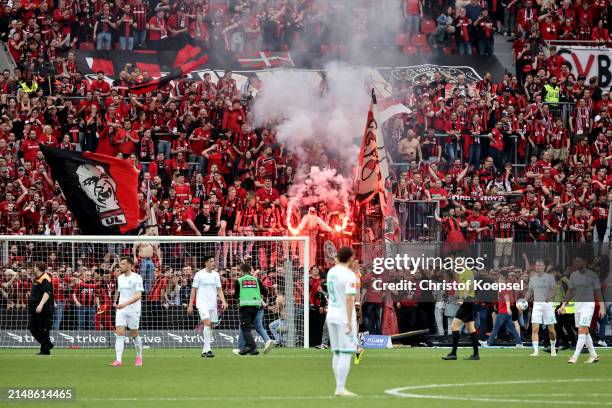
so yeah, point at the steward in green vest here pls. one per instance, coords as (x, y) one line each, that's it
(552, 91)
(250, 292)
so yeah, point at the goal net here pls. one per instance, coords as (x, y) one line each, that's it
(84, 273)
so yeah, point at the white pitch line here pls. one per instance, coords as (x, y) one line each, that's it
(552, 394)
(400, 392)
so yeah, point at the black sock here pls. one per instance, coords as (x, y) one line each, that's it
(455, 341)
(474, 339)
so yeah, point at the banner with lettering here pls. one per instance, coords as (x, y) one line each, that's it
(456, 197)
(590, 61)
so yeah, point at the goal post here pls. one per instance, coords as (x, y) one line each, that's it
(84, 272)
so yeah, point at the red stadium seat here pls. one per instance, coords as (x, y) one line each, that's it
(419, 40)
(409, 50)
(219, 6)
(87, 46)
(428, 26)
(402, 40)
(425, 50)
(450, 50)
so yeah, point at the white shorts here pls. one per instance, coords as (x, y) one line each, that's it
(208, 314)
(127, 318)
(543, 313)
(584, 313)
(339, 340)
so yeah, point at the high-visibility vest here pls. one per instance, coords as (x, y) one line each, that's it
(27, 89)
(552, 93)
(249, 291)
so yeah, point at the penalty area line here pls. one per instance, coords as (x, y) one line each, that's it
(401, 392)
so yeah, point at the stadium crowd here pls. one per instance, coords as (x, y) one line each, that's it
(522, 158)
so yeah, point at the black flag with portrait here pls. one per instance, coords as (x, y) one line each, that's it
(101, 191)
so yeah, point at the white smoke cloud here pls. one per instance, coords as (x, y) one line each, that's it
(314, 122)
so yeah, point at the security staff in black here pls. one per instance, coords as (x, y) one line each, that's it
(40, 309)
(249, 291)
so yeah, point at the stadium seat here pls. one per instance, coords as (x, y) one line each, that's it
(450, 50)
(425, 50)
(219, 6)
(87, 46)
(402, 40)
(428, 26)
(419, 40)
(409, 50)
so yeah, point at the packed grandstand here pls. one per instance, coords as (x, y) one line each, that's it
(524, 156)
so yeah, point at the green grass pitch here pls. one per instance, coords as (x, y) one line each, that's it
(303, 378)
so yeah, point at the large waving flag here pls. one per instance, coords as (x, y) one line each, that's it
(372, 179)
(188, 59)
(100, 190)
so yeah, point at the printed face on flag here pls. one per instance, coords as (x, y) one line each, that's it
(102, 190)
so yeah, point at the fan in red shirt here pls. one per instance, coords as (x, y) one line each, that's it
(549, 28)
(233, 117)
(267, 193)
(199, 138)
(220, 155)
(268, 161)
(183, 191)
(85, 299)
(29, 147)
(157, 27)
(477, 224)
(106, 290)
(100, 85)
(178, 23)
(227, 86)
(155, 297)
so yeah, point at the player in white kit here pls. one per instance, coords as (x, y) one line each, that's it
(542, 287)
(341, 317)
(128, 304)
(205, 288)
(584, 286)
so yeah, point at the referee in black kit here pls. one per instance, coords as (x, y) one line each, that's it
(40, 308)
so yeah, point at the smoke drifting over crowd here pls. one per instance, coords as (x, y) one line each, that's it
(319, 121)
(322, 121)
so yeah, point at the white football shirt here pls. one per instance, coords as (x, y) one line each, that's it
(543, 287)
(585, 283)
(206, 284)
(127, 287)
(341, 282)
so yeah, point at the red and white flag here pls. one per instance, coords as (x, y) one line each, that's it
(262, 60)
(372, 179)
